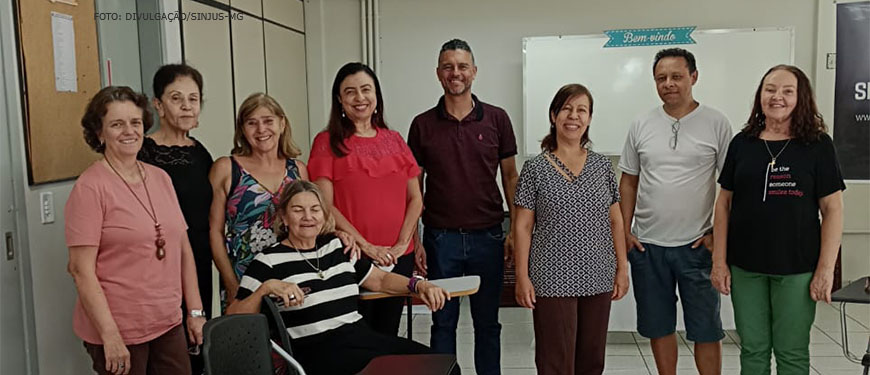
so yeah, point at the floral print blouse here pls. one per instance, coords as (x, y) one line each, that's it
(250, 213)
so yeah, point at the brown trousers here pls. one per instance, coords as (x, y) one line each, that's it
(571, 334)
(167, 354)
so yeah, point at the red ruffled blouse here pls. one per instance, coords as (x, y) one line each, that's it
(370, 183)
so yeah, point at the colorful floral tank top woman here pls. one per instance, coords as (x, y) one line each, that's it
(250, 214)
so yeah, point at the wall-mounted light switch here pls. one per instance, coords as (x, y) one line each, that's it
(46, 207)
(831, 61)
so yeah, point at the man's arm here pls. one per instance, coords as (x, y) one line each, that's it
(628, 192)
(509, 177)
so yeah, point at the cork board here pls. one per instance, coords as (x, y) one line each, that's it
(56, 149)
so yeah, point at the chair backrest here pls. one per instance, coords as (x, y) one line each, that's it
(277, 328)
(237, 345)
(278, 332)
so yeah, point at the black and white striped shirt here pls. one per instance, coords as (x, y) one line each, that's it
(332, 301)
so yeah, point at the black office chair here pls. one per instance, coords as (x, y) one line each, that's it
(239, 345)
(416, 364)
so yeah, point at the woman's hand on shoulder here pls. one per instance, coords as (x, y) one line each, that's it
(350, 244)
(432, 295)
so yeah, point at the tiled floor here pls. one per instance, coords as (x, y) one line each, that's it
(629, 353)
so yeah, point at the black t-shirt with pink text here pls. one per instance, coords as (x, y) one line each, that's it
(774, 225)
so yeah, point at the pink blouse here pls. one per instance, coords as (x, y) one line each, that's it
(370, 183)
(143, 292)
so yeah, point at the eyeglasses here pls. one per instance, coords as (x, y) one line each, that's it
(675, 129)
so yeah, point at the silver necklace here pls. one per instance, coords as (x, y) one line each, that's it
(316, 254)
(771, 165)
(772, 157)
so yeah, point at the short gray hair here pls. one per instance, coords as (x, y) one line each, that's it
(456, 44)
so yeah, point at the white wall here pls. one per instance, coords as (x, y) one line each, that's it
(332, 38)
(413, 31)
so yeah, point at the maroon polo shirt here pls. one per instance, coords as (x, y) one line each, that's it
(460, 159)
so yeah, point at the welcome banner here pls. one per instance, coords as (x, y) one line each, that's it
(660, 36)
(852, 90)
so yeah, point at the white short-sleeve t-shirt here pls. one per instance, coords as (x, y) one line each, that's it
(676, 187)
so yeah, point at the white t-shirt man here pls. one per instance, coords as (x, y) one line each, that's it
(676, 186)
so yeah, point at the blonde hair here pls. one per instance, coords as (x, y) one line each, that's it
(286, 148)
(290, 191)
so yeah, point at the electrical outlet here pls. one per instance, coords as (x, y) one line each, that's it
(46, 207)
(831, 61)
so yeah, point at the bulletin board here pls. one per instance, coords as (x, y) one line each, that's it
(56, 149)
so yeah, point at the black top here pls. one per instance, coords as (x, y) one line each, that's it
(774, 225)
(188, 168)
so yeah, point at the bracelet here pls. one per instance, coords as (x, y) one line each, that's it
(412, 283)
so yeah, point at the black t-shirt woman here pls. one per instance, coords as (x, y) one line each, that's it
(771, 251)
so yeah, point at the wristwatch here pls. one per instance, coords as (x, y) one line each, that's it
(412, 283)
(197, 314)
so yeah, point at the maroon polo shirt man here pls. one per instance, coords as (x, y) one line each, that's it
(460, 144)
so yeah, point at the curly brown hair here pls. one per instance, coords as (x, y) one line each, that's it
(806, 121)
(92, 121)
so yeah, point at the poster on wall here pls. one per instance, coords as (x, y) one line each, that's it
(852, 90)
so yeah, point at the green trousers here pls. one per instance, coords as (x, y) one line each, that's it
(773, 312)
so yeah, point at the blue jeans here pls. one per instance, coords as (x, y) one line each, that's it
(453, 253)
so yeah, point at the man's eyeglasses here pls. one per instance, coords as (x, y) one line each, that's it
(675, 129)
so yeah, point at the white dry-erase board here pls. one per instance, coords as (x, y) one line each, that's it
(730, 65)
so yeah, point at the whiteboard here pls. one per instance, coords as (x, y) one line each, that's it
(730, 65)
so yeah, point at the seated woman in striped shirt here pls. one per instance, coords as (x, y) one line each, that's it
(320, 285)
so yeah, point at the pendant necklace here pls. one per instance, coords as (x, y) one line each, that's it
(158, 241)
(316, 254)
(771, 165)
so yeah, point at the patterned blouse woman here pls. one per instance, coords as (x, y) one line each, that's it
(575, 259)
(246, 187)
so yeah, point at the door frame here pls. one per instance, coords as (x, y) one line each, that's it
(11, 132)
